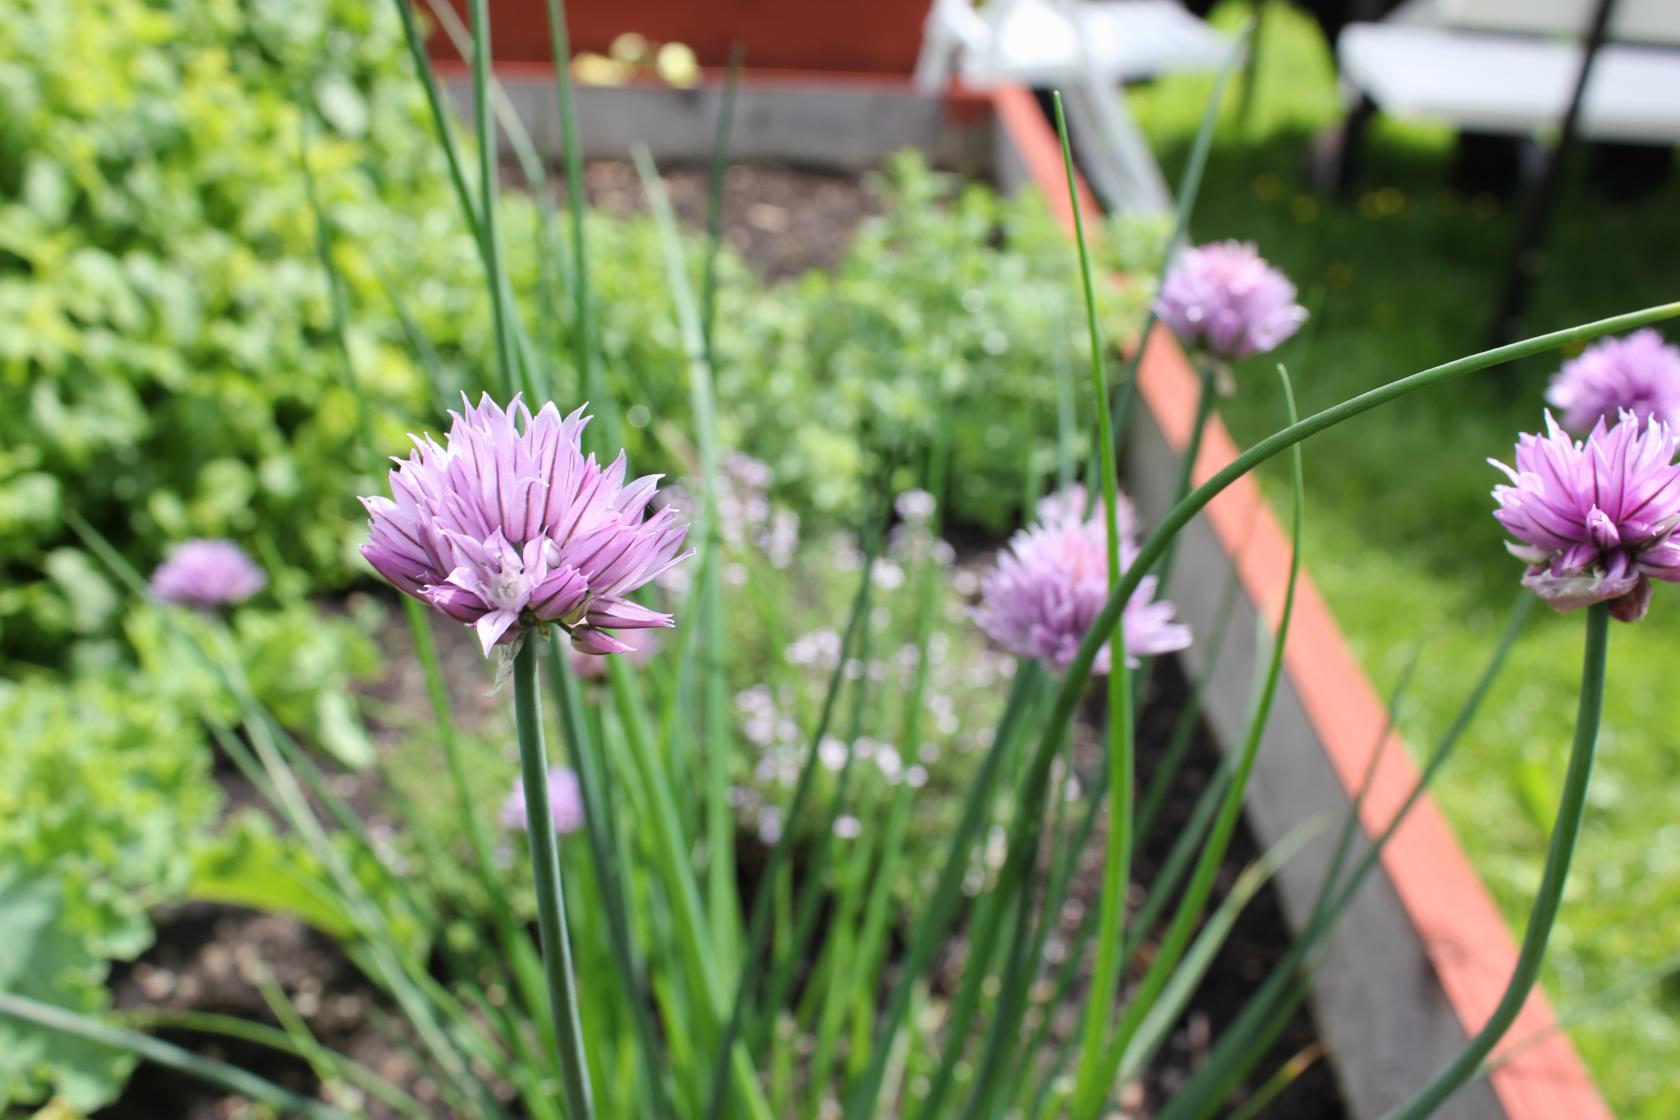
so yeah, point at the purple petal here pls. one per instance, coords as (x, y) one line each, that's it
(587, 639)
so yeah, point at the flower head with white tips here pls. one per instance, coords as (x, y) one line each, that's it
(1225, 299)
(1052, 582)
(1596, 518)
(508, 526)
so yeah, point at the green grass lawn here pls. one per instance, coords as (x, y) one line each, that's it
(1400, 537)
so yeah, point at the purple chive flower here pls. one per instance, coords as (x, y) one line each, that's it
(1052, 581)
(1638, 374)
(508, 527)
(565, 801)
(1595, 518)
(1224, 298)
(206, 574)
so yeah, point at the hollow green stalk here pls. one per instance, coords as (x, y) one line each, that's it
(1121, 777)
(583, 326)
(522, 963)
(686, 926)
(1182, 926)
(714, 200)
(1165, 882)
(1207, 394)
(759, 910)
(946, 896)
(721, 892)
(545, 867)
(488, 186)
(1565, 833)
(441, 118)
(600, 830)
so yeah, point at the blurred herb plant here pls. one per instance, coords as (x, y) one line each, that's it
(696, 1000)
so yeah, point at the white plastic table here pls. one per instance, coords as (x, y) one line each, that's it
(1513, 84)
(1415, 65)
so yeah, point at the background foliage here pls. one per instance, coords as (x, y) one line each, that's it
(168, 353)
(105, 795)
(1402, 543)
(171, 344)
(170, 369)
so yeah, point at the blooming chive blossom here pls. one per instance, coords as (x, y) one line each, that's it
(1595, 519)
(1638, 374)
(1052, 581)
(565, 801)
(1226, 299)
(508, 526)
(207, 573)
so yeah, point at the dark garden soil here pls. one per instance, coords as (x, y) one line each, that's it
(785, 221)
(212, 959)
(207, 958)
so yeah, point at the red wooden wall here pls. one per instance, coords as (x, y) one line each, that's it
(861, 36)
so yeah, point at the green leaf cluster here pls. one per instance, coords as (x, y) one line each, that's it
(167, 360)
(105, 793)
(954, 310)
(297, 661)
(168, 351)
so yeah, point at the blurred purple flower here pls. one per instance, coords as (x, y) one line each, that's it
(508, 526)
(1638, 374)
(205, 574)
(565, 800)
(1224, 298)
(1595, 519)
(1052, 581)
(1071, 504)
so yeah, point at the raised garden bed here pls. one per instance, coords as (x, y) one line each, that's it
(1422, 955)
(204, 953)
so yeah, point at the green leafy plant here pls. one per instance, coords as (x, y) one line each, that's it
(105, 795)
(299, 662)
(950, 317)
(174, 375)
(670, 992)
